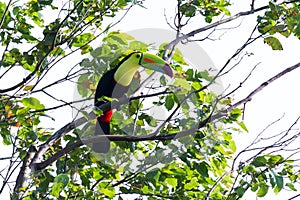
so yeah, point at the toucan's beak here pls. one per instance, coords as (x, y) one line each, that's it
(155, 63)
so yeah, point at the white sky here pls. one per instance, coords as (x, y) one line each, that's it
(278, 98)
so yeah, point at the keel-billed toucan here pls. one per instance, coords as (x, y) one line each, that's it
(115, 83)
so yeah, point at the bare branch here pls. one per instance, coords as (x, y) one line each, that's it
(252, 5)
(263, 85)
(246, 149)
(242, 82)
(294, 197)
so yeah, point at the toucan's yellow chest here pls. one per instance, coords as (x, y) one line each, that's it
(125, 72)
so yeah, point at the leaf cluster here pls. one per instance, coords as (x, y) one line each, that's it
(208, 9)
(279, 19)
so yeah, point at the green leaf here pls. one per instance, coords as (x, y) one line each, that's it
(8, 59)
(32, 103)
(163, 80)
(153, 176)
(28, 87)
(169, 102)
(16, 10)
(263, 190)
(22, 111)
(83, 85)
(98, 112)
(279, 183)
(297, 30)
(60, 182)
(291, 186)
(254, 187)
(31, 135)
(58, 51)
(202, 169)
(82, 39)
(225, 10)
(56, 189)
(208, 19)
(273, 42)
(151, 121)
(235, 113)
(240, 191)
(172, 182)
(243, 126)
(259, 161)
(137, 45)
(63, 179)
(188, 10)
(109, 192)
(124, 36)
(102, 51)
(275, 159)
(6, 139)
(85, 49)
(204, 75)
(178, 57)
(193, 184)
(119, 39)
(183, 83)
(145, 189)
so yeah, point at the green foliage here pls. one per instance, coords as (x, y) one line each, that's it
(273, 42)
(208, 9)
(60, 182)
(189, 167)
(279, 19)
(32, 103)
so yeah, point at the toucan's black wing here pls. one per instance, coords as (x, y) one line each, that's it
(107, 86)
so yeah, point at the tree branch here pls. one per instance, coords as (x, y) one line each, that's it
(263, 85)
(124, 138)
(213, 25)
(25, 172)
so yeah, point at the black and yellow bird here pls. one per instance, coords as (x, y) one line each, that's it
(115, 83)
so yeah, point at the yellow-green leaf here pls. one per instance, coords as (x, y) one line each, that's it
(108, 192)
(172, 182)
(263, 190)
(273, 42)
(32, 103)
(180, 82)
(28, 87)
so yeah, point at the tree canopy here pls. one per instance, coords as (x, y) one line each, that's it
(172, 138)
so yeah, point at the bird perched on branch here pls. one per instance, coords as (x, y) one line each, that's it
(115, 83)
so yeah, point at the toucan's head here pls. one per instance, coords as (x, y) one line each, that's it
(130, 64)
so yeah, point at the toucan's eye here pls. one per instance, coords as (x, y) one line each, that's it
(138, 55)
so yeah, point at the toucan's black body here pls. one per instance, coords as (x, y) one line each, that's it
(108, 87)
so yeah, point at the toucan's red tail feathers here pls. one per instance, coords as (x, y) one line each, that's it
(106, 116)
